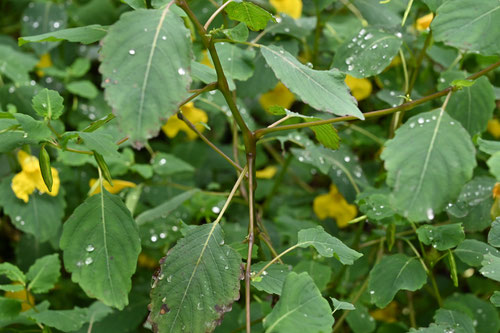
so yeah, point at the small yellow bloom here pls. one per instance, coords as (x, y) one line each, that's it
(389, 314)
(193, 114)
(118, 185)
(23, 296)
(424, 22)
(495, 208)
(334, 205)
(30, 178)
(45, 61)
(360, 88)
(494, 127)
(266, 173)
(292, 8)
(205, 60)
(279, 95)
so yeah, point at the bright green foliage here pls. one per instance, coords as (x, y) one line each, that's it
(146, 70)
(301, 307)
(83, 88)
(100, 142)
(197, 282)
(64, 320)
(100, 242)
(322, 90)
(394, 273)
(340, 305)
(15, 65)
(441, 237)
(491, 267)
(252, 15)
(495, 298)
(272, 279)
(494, 234)
(471, 252)
(368, 53)
(12, 272)
(238, 33)
(44, 273)
(85, 35)
(9, 308)
(418, 157)
(48, 103)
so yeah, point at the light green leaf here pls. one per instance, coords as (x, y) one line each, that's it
(494, 165)
(63, 320)
(327, 245)
(252, 15)
(44, 273)
(494, 234)
(301, 308)
(238, 33)
(85, 35)
(199, 275)
(34, 130)
(368, 53)
(394, 273)
(40, 18)
(165, 208)
(341, 305)
(461, 83)
(375, 204)
(48, 103)
(441, 237)
(360, 320)
(168, 164)
(83, 88)
(11, 287)
(322, 90)
(454, 321)
(16, 65)
(381, 14)
(462, 23)
(488, 146)
(12, 272)
(9, 308)
(146, 57)
(483, 313)
(100, 142)
(79, 67)
(100, 242)
(471, 252)
(272, 279)
(495, 299)
(491, 267)
(207, 74)
(433, 4)
(236, 61)
(428, 146)
(136, 4)
(320, 273)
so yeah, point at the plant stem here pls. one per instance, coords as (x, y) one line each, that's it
(276, 259)
(214, 15)
(407, 11)
(251, 212)
(197, 92)
(231, 194)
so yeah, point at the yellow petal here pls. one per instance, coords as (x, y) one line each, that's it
(118, 185)
(424, 22)
(334, 205)
(279, 95)
(292, 8)
(205, 60)
(44, 62)
(494, 127)
(22, 295)
(28, 162)
(193, 114)
(23, 185)
(40, 184)
(266, 173)
(360, 88)
(321, 206)
(388, 314)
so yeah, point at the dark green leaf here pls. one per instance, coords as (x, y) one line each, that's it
(15, 64)
(64, 320)
(44, 273)
(494, 234)
(271, 280)
(441, 237)
(12, 272)
(360, 321)
(491, 267)
(164, 209)
(85, 35)
(167, 165)
(471, 252)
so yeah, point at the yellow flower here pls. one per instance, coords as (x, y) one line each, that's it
(118, 185)
(44, 62)
(279, 95)
(360, 88)
(292, 8)
(266, 173)
(193, 114)
(424, 22)
(30, 178)
(495, 208)
(388, 314)
(23, 296)
(334, 205)
(205, 60)
(494, 128)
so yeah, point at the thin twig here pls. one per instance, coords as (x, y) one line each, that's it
(214, 15)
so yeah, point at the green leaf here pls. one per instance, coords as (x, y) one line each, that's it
(462, 83)
(85, 35)
(483, 313)
(44, 273)
(381, 14)
(12, 272)
(494, 165)
(272, 279)
(9, 308)
(489, 147)
(252, 15)
(199, 275)
(145, 65)
(236, 61)
(375, 205)
(471, 252)
(454, 321)
(462, 23)
(239, 33)
(320, 273)
(441, 237)
(165, 208)
(417, 158)
(63, 320)
(301, 308)
(100, 142)
(327, 245)
(494, 234)
(16, 65)
(40, 18)
(322, 90)
(360, 320)
(394, 273)
(495, 299)
(168, 164)
(34, 130)
(83, 88)
(136, 4)
(368, 53)
(79, 67)
(48, 103)
(41, 216)
(11, 287)
(341, 305)
(491, 267)
(100, 242)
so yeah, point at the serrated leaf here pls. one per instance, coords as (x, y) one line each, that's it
(301, 308)
(252, 15)
(34, 130)
(83, 88)
(48, 103)
(327, 245)
(44, 273)
(428, 146)
(239, 33)
(471, 252)
(461, 24)
(100, 142)
(12, 272)
(165, 208)
(394, 273)
(100, 242)
(272, 279)
(145, 66)
(491, 267)
(368, 53)
(441, 237)
(9, 308)
(64, 320)
(322, 90)
(85, 35)
(197, 282)
(494, 234)
(16, 65)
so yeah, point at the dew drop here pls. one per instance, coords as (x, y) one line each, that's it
(430, 214)
(154, 238)
(164, 37)
(36, 24)
(421, 120)
(169, 278)
(163, 235)
(88, 261)
(215, 210)
(372, 292)
(18, 218)
(181, 71)
(79, 263)
(347, 159)
(90, 248)
(56, 25)
(162, 161)
(131, 52)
